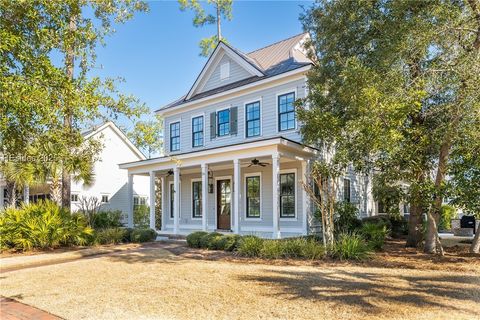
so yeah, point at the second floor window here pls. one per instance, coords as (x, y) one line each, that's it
(175, 136)
(252, 111)
(197, 131)
(286, 111)
(223, 122)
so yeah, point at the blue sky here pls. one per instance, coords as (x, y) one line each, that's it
(157, 52)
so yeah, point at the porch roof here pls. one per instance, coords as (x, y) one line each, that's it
(259, 146)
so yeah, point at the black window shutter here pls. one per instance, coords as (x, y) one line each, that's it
(213, 125)
(233, 120)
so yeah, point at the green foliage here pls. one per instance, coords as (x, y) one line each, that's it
(147, 135)
(228, 242)
(207, 240)
(447, 213)
(381, 219)
(374, 234)
(250, 246)
(399, 226)
(107, 219)
(141, 216)
(292, 248)
(351, 246)
(42, 225)
(193, 239)
(345, 218)
(142, 235)
(223, 10)
(110, 235)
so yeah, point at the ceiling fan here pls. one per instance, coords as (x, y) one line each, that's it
(256, 162)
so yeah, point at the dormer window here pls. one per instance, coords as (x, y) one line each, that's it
(225, 70)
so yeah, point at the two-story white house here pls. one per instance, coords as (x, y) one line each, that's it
(234, 158)
(110, 183)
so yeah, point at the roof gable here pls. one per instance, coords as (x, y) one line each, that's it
(222, 52)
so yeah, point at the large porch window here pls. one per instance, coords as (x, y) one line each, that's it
(253, 196)
(287, 195)
(172, 194)
(196, 199)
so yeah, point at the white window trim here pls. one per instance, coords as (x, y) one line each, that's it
(107, 195)
(170, 136)
(191, 198)
(296, 195)
(231, 198)
(217, 137)
(281, 93)
(259, 99)
(245, 176)
(191, 129)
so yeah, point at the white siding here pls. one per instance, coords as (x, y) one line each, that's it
(236, 73)
(109, 179)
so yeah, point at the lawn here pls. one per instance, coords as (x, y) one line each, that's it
(168, 281)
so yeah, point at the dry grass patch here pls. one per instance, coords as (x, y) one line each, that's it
(153, 283)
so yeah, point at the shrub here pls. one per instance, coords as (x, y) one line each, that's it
(399, 226)
(142, 235)
(193, 239)
(207, 238)
(42, 225)
(375, 234)
(272, 249)
(141, 216)
(345, 218)
(215, 242)
(351, 246)
(111, 235)
(250, 246)
(381, 219)
(229, 242)
(447, 213)
(107, 219)
(312, 250)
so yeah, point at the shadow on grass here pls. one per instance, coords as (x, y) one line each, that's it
(365, 289)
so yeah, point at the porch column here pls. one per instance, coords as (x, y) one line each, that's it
(164, 203)
(276, 192)
(26, 194)
(130, 201)
(176, 198)
(204, 196)
(152, 200)
(236, 196)
(306, 198)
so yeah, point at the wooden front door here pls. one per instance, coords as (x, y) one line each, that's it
(224, 194)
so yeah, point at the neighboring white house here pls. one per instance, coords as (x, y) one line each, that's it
(234, 158)
(110, 182)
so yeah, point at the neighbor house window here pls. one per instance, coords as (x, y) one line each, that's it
(74, 197)
(197, 131)
(253, 196)
(139, 201)
(286, 111)
(252, 111)
(104, 199)
(172, 194)
(346, 190)
(175, 136)
(223, 127)
(406, 208)
(287, 195)
(197, 199)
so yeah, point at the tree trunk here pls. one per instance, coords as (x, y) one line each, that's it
(70, 65)
(475, 248)
(414, 237)
(56, 191)
(11, 194)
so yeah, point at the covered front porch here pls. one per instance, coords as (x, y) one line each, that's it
(250, 188)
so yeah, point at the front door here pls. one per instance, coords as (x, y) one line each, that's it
(223, 204)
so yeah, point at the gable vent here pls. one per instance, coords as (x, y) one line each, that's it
(225, 70)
